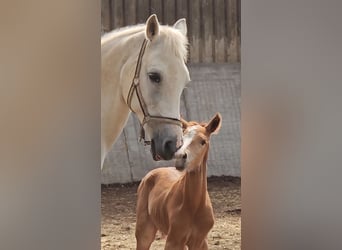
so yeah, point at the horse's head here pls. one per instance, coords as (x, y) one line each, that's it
(196, 142)
(163, 76)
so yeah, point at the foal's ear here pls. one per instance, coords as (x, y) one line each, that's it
(215, 124)
(181, 26)
(184, 123)
(152, 27)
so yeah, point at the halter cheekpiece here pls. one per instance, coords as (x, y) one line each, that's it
(135, 87)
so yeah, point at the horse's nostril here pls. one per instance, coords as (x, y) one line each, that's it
(168, 146)
(165, 149)
(153, 147)
(185, 156)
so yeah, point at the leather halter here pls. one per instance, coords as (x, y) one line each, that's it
(135, 87)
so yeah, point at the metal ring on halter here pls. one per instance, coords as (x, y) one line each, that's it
(135, 87)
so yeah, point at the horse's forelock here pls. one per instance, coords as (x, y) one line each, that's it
(175, 41)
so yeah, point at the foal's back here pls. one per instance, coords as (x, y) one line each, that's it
(158, 184)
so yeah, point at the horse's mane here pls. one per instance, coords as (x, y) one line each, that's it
(121, 32)
(174, 39)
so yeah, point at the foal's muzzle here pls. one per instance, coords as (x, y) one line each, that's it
(180, 161)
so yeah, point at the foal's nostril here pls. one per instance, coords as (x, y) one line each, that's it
(185, 156)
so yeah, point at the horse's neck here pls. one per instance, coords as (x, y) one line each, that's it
(114, 118)
(117, 53)
(195, 186)
(115, 36)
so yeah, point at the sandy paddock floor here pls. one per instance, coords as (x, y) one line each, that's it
(118, 215)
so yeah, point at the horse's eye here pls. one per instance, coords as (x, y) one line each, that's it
(154, 77)
(203, 142)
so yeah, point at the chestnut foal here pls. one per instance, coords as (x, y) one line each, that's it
(177, 202)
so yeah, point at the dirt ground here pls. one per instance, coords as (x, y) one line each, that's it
(118, 215)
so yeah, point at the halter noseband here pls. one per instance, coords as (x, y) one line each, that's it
(135, 86)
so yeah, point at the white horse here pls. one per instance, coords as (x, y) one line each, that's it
(143, 70)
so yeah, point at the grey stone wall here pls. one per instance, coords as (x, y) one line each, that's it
(214, 88)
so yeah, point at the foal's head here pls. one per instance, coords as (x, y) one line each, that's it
(196, 142)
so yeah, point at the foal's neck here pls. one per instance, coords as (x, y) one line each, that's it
(195, 181)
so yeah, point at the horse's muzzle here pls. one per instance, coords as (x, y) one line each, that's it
(164, 148)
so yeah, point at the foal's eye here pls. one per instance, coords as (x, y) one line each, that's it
(154, 77)
(203, 142)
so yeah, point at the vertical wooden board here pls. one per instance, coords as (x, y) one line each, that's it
(105, 16)
(231, 30)
(157, 8)
(220, 31)
(181, 9)
(117, 14)
(143, 10)
(238, 45)
(207, 36)
(169, 12)
(130, 12)
(228, 20)
(195, 31)
(238, 13)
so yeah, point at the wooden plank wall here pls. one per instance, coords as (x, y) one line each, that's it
(213, 25)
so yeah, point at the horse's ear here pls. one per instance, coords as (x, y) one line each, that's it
(181, 26)
(184, 123)
(214, 125)
(152, 27)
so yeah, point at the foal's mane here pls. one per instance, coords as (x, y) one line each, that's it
(194, 123)
(173, 39)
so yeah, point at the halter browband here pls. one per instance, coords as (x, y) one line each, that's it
(136, 86)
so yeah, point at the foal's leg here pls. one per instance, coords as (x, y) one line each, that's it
(204, 245)
(145, 230)
(198, 243)
(175, 241)
(174, 246)
(145, 233)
